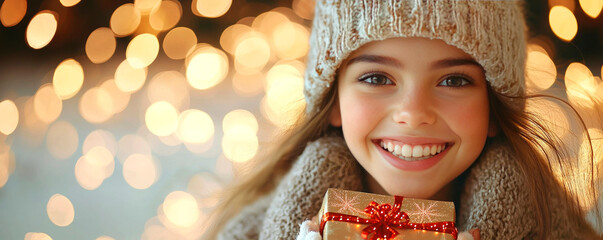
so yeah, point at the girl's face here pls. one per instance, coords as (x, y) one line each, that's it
(414, 113)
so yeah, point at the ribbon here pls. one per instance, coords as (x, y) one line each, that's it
(384, 220)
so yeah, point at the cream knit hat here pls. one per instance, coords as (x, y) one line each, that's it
(492, 31)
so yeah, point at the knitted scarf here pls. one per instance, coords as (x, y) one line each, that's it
(494, 198)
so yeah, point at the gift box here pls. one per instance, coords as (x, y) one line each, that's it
(354, 215)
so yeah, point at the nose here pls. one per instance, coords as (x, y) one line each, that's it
(414, 109)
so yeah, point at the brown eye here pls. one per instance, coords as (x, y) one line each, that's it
(376, 79)
(454, 81)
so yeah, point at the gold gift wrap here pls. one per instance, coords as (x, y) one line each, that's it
(344, 215)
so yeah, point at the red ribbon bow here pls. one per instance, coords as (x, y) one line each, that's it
(383, 221)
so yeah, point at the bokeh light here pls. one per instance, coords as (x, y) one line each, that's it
(37, 236)
(284, 98)
(252, 54)
(161, 118)
(125, 20)
(41, 29)
(139, 171)
(248, 85)
(119, 99)
(210, 8)
(146, 6)
(34, 128)
(181, 208)
(239, 118)
(10, 117)
(166, 16)
(540, 71)
(60, 210)
(240, 144)
(304, 8)
(68, 78)
(178, 42)
(62, 140)
(290, 40)
(90, 173)
(592, 8)
(142, 50)
(207, 67)
(101, 138)
(69, 3)
(100, 45)
(195, 126)
(563, 23)
(47, 104)
(580, 85)
(171, 87)
(105, 238)
(232, 35)
(96, 105)
(132, 144)
(128, 78)
(12, 12)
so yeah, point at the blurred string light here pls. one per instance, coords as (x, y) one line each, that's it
(96, 165)
(210, 8)
(563, 23)
(68, 78)
(592, 8)
(125, 20)
(206, 67)
(540, 70)
(60, 210)
(166, 16)
(47, 104)
(37, 236)
(69, 3)
(171, 87)
(96, 105)
(100, 45)
(161, 118)
(41, 29)
(100, 138)
(105, 238)
(140, 171)
(7, 162)
(10, 117)
(142, 50)
(179, 42)
(146, 6)
(580, 85)
(129, 78)
(12, 12)
(132, 144)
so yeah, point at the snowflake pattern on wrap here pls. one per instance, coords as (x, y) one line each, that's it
(345, 203)
(423, 214)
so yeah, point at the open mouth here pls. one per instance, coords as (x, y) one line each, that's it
(411, 153)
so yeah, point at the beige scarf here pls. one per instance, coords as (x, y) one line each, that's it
(494, 198)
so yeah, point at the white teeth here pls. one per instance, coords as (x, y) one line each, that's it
(409, 151)
(417, 151)
(426, 151)
(406, 151)
(397, 150)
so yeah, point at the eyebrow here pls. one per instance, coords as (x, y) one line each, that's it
(443, 63)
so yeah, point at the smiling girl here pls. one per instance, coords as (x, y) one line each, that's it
(422, 99)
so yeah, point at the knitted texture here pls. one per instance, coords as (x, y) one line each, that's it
(494, 199)
(491, 31)
(325, 163)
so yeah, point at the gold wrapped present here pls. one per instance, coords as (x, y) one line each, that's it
(354, 215)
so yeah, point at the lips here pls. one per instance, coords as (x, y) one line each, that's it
(413, 155)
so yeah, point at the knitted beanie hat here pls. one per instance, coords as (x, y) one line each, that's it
(491, 31)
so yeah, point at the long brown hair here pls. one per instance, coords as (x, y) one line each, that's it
(541, 153)
(533, 142)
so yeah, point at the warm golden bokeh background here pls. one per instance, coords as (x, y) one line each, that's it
(121, 119)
